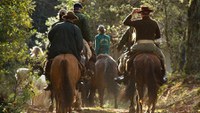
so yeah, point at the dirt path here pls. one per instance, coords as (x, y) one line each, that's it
(103, 110)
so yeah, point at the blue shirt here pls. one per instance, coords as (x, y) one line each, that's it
(102, 44)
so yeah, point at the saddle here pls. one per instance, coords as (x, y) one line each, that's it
(126, 62)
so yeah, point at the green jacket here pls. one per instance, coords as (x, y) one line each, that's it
(65, 37)
(82, 23)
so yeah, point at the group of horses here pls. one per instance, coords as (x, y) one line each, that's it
(141, 88)
(67, 78)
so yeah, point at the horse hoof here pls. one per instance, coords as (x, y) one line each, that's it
(78, 109)
(131, 110)
(51, 108)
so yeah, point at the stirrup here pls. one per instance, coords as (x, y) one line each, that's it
(119, 79)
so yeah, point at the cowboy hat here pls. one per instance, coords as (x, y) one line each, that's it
(145, 9)
(70, 15)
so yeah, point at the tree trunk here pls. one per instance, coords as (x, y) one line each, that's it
(192, 65)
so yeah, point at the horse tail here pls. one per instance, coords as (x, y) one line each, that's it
(66, 87)
(111, 73)
(150, 79)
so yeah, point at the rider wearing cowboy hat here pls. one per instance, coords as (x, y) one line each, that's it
(147, 31)
(65, 37)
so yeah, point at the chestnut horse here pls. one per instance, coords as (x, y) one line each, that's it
(105, 72)
(144, 73)
(64, 75)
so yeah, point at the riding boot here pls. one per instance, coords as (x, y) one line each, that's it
(163, 78)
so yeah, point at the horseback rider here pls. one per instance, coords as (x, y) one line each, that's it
(61, 13)
(102, 41)
(65, 38)
(82, 23)
(36, 60)
(147, 31)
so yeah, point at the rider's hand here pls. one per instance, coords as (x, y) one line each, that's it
(135, 10)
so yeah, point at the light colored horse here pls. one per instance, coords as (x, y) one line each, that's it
(40, 102)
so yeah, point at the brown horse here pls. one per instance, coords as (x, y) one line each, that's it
(64, 75)
(144, 75)
(105, 72)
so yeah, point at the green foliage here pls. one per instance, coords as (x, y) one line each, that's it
(15, 25)
(108, 13)
(170, 14)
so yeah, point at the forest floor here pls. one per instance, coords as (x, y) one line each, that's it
(180, 95)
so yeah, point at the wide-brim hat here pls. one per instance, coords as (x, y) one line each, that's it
(145, 9)
(70, 15)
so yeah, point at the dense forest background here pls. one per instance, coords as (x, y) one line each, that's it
(25, 23)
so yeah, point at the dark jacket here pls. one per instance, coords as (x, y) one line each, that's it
(65, 37)
(146, 28)
(82, 23)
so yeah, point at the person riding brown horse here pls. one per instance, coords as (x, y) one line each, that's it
(64, 37)
(147, 31)
(144, 82)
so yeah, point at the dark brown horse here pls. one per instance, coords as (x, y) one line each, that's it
(64, 75)
(144, 75)
(105, 72)
(84, 84)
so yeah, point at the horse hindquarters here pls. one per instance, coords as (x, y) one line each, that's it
(63, 83)
(68, 90)
(147, 67)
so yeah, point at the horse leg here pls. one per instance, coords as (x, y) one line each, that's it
(51, 107)
(91, 96)
(152, 94)
(101, 95)
(140, 98)
(115, 96)
(70, 109)
(132, 108)
(154, 104)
